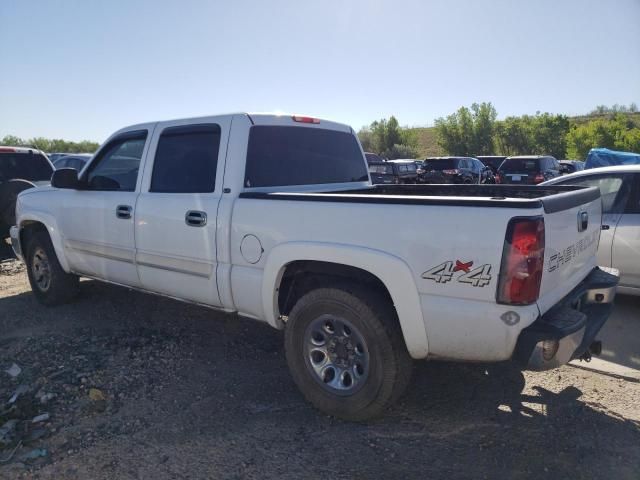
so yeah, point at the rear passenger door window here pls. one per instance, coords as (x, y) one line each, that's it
(186, 160)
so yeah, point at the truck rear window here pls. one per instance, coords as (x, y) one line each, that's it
(280, 156)
(27, 166)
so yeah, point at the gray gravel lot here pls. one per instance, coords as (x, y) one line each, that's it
(143, 387)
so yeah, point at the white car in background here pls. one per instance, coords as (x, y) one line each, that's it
(620, 239)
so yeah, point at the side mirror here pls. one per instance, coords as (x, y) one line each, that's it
(65, 178)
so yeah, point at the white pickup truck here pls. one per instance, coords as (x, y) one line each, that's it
(274, 217)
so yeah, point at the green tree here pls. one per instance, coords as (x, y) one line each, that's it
(400, 151)
(513, 136)
(541, 134)
(12, 140)
(51, 145)
(468, 131)
(629, 140)
(388, 139)
(366, 139)
(385, 134)
(618, 133)
(549, 134)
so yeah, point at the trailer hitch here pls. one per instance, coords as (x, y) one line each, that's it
(594, 349)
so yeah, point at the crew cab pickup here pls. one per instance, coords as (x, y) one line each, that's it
(274, 217)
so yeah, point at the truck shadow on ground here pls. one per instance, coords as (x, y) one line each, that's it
(204, 385)
(621, 333)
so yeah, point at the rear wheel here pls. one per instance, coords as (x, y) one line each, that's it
(346, 353)
(50, 283)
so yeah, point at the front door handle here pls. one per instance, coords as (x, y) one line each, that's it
(124, 211)
(195, 218)
(605, 227)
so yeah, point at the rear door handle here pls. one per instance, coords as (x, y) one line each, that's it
(123, 211)
(605, 227)
(195, 218)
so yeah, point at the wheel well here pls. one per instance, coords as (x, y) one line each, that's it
(302, 276)
(27, 230)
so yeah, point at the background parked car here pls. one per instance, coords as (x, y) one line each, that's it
(55, 156)
(528, 169)
(76, 161)
(620, 237)
(486, 174)
(492, 161)
(20, 169)
(381, 173)
(373, 158)
(405, 170)
(570, 166)
(419, 169)
(451, 170)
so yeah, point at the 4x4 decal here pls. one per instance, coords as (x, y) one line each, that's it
(443, 273)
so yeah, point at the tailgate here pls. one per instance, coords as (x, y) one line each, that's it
(572, 233)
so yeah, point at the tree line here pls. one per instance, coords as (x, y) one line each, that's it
(51, 145)
(469, 131)
(475, 130)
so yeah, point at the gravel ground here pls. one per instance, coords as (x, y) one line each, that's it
(137, 386)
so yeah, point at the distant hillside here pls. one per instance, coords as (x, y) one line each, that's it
(428, 139)
(634, 117)
(427, 142)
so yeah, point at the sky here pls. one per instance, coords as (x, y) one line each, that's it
(81, 69)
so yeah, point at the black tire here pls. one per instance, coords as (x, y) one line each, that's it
(388, 362)
(62, 287)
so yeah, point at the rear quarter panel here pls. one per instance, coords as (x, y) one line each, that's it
(460, 316)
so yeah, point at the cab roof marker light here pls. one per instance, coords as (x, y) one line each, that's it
(302, 119)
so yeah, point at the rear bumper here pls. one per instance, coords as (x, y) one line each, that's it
(14, 233)
(568, 330)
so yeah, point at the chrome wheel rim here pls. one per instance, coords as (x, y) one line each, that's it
(41, 270)
(336, 355)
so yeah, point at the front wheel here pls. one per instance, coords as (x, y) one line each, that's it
(346, 353)
(50, 283)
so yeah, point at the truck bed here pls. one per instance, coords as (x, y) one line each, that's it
(552, 198)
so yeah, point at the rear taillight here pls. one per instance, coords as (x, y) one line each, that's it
(301, 119)
(539, 178)
(7, 150)
(522, 261)
(455, 171)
